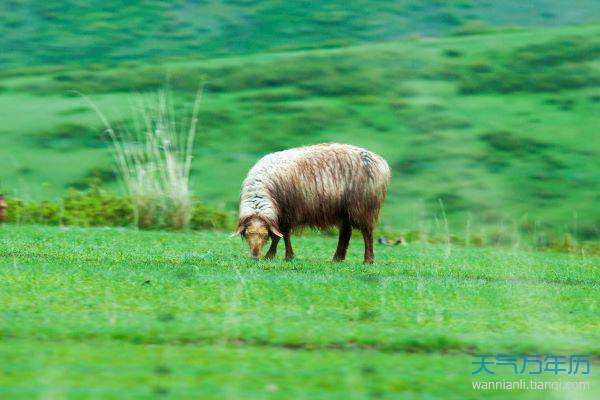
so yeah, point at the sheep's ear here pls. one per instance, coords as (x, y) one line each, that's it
(275, 231)
(238, 230)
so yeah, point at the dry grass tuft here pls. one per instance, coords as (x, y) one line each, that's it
(154, 161)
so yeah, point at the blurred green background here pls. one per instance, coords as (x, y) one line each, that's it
(488, 112)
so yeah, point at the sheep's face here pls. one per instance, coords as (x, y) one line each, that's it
(256, 233)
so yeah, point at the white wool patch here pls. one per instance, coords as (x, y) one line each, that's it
(254, 198)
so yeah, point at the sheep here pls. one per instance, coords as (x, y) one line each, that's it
(3, 207)
(319, 186)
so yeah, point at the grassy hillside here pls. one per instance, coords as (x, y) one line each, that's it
(186, 315)
(495, 130)
(84, 31)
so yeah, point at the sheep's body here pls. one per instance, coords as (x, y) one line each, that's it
(317, 186)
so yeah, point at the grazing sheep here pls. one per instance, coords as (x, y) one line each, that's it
(316, 186)
(3, 207)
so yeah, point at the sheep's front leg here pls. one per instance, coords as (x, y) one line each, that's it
(273, 249)
(289, 252)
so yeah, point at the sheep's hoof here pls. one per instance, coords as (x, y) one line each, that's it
(269, 256)
(368, 261)
(337, 258)
(289, 258)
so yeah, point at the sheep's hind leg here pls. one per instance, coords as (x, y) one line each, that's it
(273, 249)
(368, 238)
(343, 241)
(289, 252)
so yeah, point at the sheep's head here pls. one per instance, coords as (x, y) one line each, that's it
(256, 231)
(3, 207)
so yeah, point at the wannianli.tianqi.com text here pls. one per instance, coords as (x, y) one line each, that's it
(523, 384)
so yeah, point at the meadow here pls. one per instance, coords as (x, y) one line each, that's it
(118, 313)
(486, 111)
(88, 32)
(494, 133)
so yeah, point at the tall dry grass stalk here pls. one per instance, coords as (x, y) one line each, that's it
(154, 161)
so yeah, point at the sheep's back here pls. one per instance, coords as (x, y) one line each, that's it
(319, 185)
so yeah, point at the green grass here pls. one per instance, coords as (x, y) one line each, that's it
(519, 156)
(95, 31)
(92, 312)
(487, 112)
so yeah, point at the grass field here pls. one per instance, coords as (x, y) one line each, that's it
(495, 131)
(486, 111)
(117, 313)
(96, 31)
